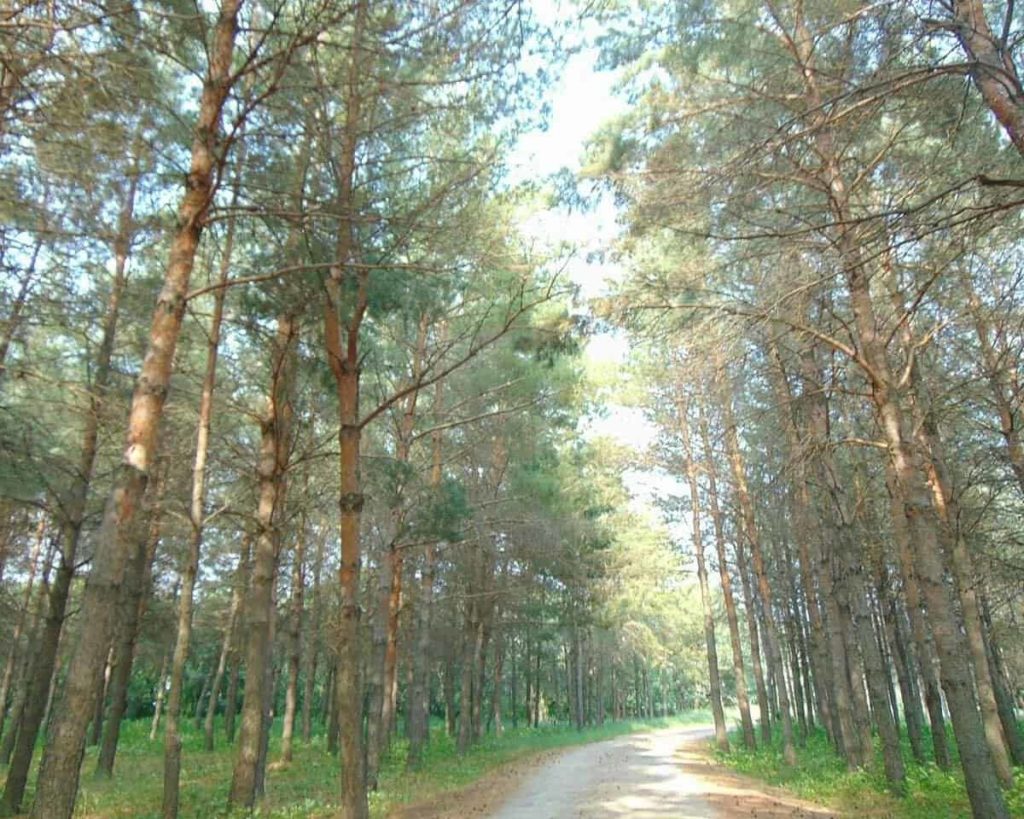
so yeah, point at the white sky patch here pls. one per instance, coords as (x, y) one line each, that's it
(582, 99)
(612, 347)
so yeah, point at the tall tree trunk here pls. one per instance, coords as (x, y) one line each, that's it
(578, 664)
(919, 628)
(1002, 690)
(499, 661)
(390, 602)
(19, 626)
(514, 686)
(808, 534)
(59, 772)
(764, 711)
(231, 697)
(96, 727)
(197, 711)
(483, 640)
(234, 613)
(74, 509)
(161, 687)
(342, 346)
(472, 644)
(449, 697)
(376, 731)
(197, 514)
(537, 693)
(875, 670)
(912, 495)
(275, 449)
(270, 676)
(903, 660)
(134, 601)
(294, 645)
(752, 538)
(26, 665)
(958, 557)
(419, 695)
(333, 721)
(529, 680)
(739, 671)
(791, 628)
(313, 647)
(711, 647)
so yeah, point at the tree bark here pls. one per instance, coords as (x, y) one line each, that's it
(275, 450)
(58, 776)
(190, 561)
(739, 671)
(313, 648)
(419, 695)
(294, 646)
(73, 519)
(23, 613)
(133, 601)
(992, 69)
(752, 538)
(234, 613)
(711, 647)
(342, 347)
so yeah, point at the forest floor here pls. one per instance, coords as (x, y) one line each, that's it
(820, 775)
(665, 773)
(308, 786)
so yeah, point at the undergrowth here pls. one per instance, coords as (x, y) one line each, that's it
(820, 775)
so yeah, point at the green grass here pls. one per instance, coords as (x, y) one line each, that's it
(821, 776)
(308, 787)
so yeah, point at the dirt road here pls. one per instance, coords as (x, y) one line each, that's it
(661, 774)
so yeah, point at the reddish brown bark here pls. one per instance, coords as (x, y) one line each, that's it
(739, 671)
(342, 325)
(992, 68)
(59, 772)
(752, 538)
(912, 500)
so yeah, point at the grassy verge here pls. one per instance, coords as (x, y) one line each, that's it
(308, 787)
(821, 776)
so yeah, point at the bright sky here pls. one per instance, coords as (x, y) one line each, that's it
(581, 101)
